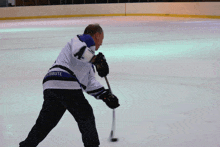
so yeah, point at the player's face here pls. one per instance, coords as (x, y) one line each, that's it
(99, 38)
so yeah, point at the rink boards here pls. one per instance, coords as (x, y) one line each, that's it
(195, 9)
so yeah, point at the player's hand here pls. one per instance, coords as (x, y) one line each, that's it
(110, 99)
(101, 65)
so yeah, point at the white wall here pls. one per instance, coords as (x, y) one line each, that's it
(197, 8)
(193, 8)
(87, 9)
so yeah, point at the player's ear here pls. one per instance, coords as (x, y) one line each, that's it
(96, 35)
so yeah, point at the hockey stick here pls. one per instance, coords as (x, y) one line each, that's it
(111, 138)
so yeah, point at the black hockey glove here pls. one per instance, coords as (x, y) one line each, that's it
(110, 99)
(101, 65)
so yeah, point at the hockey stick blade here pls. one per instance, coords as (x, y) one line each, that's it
(111, 137)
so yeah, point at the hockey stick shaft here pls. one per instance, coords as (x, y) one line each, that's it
(113, 116)
(113, 123)
(108, 85)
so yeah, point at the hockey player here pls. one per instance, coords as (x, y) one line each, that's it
(63, 86)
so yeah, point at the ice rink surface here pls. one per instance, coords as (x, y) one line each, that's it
(164, 70)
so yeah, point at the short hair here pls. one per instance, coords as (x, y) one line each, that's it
(91, 29)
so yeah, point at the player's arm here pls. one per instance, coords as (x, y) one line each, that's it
(84, 54)
(94, 88)
(81, 52)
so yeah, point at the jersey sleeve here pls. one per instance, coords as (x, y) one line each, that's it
(81, 51)
(94, 88)
(84, 54)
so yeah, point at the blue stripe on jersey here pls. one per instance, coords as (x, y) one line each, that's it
(87, 39)
(96, 91)
(59, 75)
(71, 73)
(93, 68)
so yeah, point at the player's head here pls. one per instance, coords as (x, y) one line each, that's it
(96, 32)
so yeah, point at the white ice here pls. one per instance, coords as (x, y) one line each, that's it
(164, 70)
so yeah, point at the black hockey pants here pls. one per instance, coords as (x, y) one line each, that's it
(56, 102)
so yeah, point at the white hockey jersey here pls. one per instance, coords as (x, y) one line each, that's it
(73, 69)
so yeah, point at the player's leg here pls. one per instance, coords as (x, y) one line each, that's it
(50, 114)
(82, 111)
